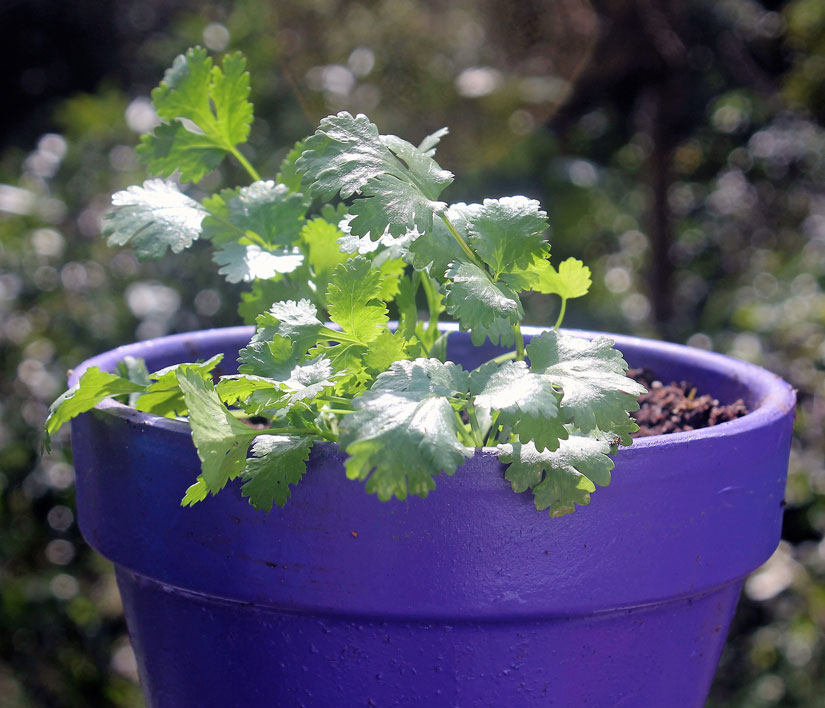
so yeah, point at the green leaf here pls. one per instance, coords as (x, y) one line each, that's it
(245, 263)
(500, 333)
(436, 249)
(163, 396)
(221, 440)
(562, 478)
(215, 100)
(134, 369)
(93, 386)
(288, 174)
(424, 377)
(308, 380)
(404, 430)
(237, 389)
(271, 358)
(353, 295)
(571, 280)
(387, 348)
(508, 233)
(277, 461)
(528, 277)
(476, 301)
(387, 246)
(195, 493)
(172, 148)
(429, 144)
(597, 393)
(264, 208)
(399, 183)
(527, 402)
(265, 293)
(320, 241)
(294, 321)
(153, 217)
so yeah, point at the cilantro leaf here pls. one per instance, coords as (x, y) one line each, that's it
(385, 349)
(404, 430)
(500, 333)
(429, 144)
(267, 210)
(163, 395)
(424, 377)
(436, 249)
(597, 393)
(221, 439)
(320, 242)
(153, 217)
(508, 232)
(248, 262)
(476, 300)
(93, 386)
(527, 402)
(277, 461)
(265, 293)
(239, 388)
(400, 185)
(271, 358)
(215, 100)
(309, 379)
(387, 245)
(288, 174)
(295, 321)
(195, 493)
(353, 295)
(562, 478)
(570, 281)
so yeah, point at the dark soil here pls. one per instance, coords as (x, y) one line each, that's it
(677, 406)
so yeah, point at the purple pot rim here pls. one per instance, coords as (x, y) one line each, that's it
(775, 396)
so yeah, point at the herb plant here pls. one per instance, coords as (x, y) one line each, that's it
(352, 225)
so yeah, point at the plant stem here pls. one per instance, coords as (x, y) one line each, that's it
(462, 427)
(500, 359)
(462, 243)
(561, 313)
(432, 305)
(475, 427)
(250, 170)
(519, 341)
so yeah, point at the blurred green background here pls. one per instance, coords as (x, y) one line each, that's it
(679, 148)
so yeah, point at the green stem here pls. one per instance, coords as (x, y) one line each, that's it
(491, 436)
(561, 313)
(475, 428)
(432, 305)
(250, 170)
(462, 243)
(462, 429)
(519, 341)
(500, 359)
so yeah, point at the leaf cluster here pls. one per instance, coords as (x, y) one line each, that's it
(351, 229)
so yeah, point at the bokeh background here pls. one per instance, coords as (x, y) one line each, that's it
(679, 147)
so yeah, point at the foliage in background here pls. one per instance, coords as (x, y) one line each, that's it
(719, 189)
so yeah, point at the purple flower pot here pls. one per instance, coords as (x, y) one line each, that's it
(468, 598)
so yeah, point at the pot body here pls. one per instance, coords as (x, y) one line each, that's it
(468, 598)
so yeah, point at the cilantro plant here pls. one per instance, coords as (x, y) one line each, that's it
(354, 224)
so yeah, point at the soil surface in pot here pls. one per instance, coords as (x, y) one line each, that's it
(678, 406)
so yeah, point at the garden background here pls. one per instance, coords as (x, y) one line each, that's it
(679, 148)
